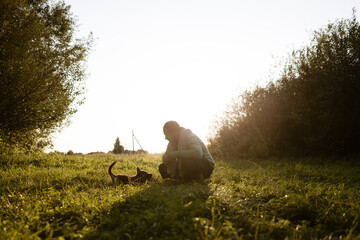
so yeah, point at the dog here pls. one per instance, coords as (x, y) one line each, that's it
(140, 177)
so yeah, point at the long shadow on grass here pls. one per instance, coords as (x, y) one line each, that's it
(162, 211)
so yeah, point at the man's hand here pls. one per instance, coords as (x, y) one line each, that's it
(167, 158)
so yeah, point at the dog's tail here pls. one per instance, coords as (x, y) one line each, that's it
(110, 173)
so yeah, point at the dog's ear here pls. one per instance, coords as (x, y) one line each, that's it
(138, 169)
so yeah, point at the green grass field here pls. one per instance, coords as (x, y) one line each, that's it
(72, 197)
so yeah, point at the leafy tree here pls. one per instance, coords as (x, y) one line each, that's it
(312, 108)
(70, 152)
(117, 147)
(323, 80)
(41, 69)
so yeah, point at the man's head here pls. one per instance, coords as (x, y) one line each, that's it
(171, 131)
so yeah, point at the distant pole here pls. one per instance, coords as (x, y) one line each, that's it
(138, 143)
(133, 139)
(133, 136)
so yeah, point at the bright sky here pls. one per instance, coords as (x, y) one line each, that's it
(181, 60)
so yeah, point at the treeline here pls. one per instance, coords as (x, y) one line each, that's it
(313, 108)
(118, 149)
(125, 152)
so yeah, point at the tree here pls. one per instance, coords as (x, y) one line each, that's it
(42, 69)
(323, 80)
(312, 108)
(117, 147)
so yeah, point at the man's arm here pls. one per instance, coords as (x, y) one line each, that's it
(194, 150)
(169, 149)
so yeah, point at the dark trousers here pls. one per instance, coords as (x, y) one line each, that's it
(191, 168)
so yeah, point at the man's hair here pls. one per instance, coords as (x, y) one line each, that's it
(171, 126)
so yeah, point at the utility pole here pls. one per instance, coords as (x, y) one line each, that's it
(133, 140)
(133, 137)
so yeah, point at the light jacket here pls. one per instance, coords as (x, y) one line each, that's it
(195, 148)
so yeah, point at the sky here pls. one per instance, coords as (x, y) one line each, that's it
(183, 60)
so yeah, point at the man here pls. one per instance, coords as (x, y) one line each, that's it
(186, 157)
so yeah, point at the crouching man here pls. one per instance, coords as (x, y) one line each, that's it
(186, 157)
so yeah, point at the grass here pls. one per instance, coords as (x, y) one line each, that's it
(71, 197)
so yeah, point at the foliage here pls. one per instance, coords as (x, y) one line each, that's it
(313, 108)
(117, 147)
(57, 196)
(41, 69)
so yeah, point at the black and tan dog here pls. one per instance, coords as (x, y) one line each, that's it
(140, 177)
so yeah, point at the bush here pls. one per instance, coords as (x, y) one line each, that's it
(312, 108)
